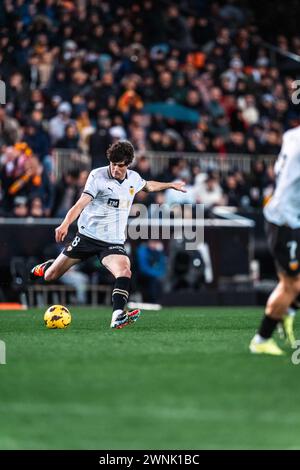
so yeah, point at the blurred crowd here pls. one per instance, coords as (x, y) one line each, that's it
(30, 190)
(80, 75)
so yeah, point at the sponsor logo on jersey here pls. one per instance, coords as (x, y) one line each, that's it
(113, 202)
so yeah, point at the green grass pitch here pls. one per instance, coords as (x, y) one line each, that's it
(180, 378)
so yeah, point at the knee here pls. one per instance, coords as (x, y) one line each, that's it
(275, 309)
(50, 275)
(280, 300)
(125, 272)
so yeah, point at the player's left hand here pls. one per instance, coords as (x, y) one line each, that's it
(61, 232)
(180, 186)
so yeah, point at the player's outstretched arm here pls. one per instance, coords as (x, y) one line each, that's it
(74, 212)
(153, 186)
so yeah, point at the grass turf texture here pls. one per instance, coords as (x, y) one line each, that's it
(181, 378)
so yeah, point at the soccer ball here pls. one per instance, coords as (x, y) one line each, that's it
(57, 316)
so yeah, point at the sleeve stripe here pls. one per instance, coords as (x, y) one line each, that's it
(145, 182)
(86, 192)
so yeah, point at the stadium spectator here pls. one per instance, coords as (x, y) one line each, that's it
(142, 166)
(210, 193)
(152, 267)
(20, 208)
(231, 191)
(58, 123)
(9, 129)
(70, 138)
(65, 193)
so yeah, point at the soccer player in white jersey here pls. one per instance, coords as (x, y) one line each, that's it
(282, 214)
(103, 211)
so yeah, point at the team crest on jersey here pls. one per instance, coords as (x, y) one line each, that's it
(294, 265)
(131, 190)
(69, 248)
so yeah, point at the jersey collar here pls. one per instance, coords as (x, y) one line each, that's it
(112, 178)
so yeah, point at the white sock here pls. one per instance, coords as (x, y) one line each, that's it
(116, 313)
(291, 312)
(259, 339)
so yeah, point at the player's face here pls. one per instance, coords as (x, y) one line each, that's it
(118, 170)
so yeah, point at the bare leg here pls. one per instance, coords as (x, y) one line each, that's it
(118, 265)
(59, 267)
(282, 296)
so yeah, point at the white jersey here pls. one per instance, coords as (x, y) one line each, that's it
(284, 206)
(105, 217)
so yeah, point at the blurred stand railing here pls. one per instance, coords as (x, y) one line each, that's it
(65, 160)
(275, 51)
(207, 161)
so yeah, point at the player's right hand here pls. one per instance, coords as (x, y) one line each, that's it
(61, 232)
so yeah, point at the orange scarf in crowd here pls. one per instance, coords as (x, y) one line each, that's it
(20, 182)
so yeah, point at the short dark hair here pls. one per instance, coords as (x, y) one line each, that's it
(121, 151)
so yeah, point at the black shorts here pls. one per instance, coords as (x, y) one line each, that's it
(83, 247)
(284, 244)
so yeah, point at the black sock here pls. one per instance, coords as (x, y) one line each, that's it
(267, 327)
(120, 293)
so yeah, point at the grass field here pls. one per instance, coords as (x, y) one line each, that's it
(177, 379)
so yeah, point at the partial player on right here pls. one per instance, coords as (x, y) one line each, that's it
(282, 214)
